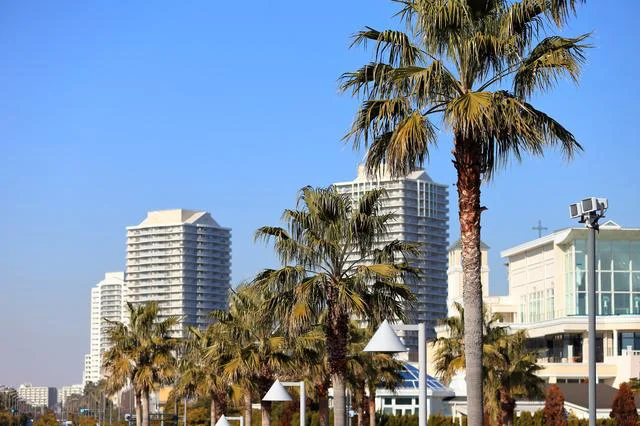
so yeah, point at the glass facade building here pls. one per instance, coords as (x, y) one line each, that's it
(617, 276)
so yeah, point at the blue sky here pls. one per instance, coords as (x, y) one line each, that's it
(108, 110)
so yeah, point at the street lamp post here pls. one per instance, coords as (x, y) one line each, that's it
(277, 392)
(386, 340)
(590, 211)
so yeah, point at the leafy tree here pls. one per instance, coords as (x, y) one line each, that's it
(554, 414)
(474, 66)
(141, 354)
(47, 419)
(624, 409)
(327, 252)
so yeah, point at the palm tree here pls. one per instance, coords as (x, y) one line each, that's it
(513, 373)
(368, 371)
(473, 65)
(258, 351)
(201, 373)
(509, 368)
(141, 354)
(327, 252)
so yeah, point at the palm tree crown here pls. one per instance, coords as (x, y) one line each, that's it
(333, 269)
(472, 65)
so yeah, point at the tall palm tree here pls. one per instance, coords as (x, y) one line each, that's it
(201, 370)
(141, 354)
(258, 352)
(473, 65)
(328, 251)
(368, 371)
(509, 369)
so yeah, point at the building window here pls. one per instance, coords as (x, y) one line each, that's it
(629, 339)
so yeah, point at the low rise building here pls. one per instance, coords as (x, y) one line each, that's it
(547, 279)
(66, 391)
(38, 396)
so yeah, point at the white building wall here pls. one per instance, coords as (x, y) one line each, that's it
(182, 260)
(38, 396)
(108, 302)
(422, 214)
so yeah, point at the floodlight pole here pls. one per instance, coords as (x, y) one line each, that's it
(591, 220)
(422, 367)
(303, 399)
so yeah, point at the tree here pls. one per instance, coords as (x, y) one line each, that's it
(202, 374)
(554, 414)
(367, 371)
(624, 409)
(47, 419)
(509, 368)
(258, 352)
(634, 384)
(141, 354)
(327, 252)
(473, 65)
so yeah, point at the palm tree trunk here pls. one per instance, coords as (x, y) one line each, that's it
(138, 408)
(145, 409)
(339, 409)
(337, 341)
(213, 412)
(322, 390)
(372, 406)
(247, 408)
(468, 159)
(507, 408)
(265, 411)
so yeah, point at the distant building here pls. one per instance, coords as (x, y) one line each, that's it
(38, 396)
(182, 260)
(66, 391)
(421, 209)
(547, 279)
(503, 305)
(108, 303)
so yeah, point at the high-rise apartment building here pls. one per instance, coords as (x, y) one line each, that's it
(181, 259)
(108, 303)
(421, 209)
(38, 396)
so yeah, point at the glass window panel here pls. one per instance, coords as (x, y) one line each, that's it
(621, 257)
(635, 281)
(605, 281)
(621, 303)
(635, 304)
(635, 259)
(579, 246)
(581, 281)
(621, 281)
(603, 250)
(582, 303)
(605, 304)
(626, 339)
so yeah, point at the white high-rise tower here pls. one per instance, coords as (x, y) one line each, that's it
(181, 259)
(108, 302)
(422, 216)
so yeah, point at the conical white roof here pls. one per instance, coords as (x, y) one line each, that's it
(277, 392)
(385, 340)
